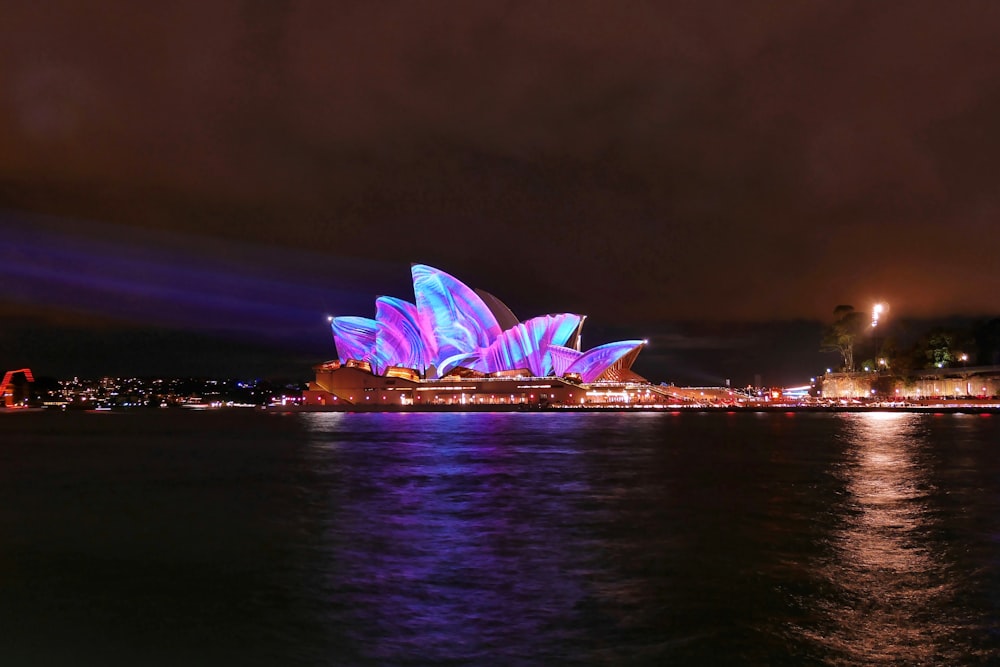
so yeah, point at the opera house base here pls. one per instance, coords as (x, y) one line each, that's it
(355, 388)
(458, 348)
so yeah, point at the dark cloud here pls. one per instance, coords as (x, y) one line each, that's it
(652, 163)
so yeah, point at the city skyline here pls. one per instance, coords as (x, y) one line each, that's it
(203, 184)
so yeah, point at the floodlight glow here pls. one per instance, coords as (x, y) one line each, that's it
(877, 310)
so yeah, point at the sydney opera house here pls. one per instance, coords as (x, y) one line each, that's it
(456, 346)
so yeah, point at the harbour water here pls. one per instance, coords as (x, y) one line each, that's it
(241, 537)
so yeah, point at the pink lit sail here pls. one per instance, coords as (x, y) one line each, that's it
(398, 338)
(354, 337)
(524, 346)
(593, 363)
(527, 344)
(562, 358)
(456, 316)
(470, 360)
(561, 330)
(452, 326)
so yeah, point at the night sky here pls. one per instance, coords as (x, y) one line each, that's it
(192, 187)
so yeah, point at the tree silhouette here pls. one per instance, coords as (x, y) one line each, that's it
(839, 336)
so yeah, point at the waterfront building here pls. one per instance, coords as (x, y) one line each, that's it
(456, 346)
(929, 384)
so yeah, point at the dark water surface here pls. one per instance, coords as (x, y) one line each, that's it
(245, 538)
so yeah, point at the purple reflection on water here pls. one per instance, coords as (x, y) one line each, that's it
(443, 545)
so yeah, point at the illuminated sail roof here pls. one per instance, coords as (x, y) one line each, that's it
(354, 337)
(595, 363)
(524, 346)
(452, 326)
(399, 339)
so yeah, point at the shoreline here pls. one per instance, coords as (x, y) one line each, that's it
(986, 409)
(673, 409)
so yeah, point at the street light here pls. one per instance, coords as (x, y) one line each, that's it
(877, 311)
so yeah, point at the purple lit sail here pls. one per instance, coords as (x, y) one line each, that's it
(593, 363)
(527, 344)
(452, 326)
(562, 358)
(398, 338)
(524, 346)
(354, 337)
(561, 330)
(459, 320)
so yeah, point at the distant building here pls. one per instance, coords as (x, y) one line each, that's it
(459, 346)
(980, 382)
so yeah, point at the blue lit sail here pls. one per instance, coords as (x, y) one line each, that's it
(456, 317)
(452, 326)
(399, 340)
(354, 337)
(594, 363)
(526, 345)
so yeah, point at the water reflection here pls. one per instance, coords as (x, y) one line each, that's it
(471, 538)
(439, 543)
(252, 538)
(888, 575)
